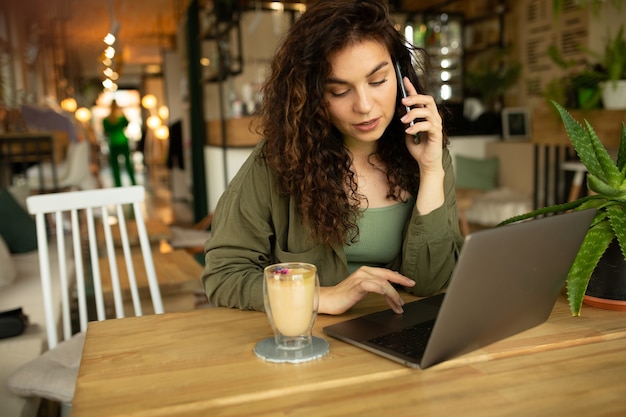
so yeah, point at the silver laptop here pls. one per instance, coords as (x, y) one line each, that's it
(506, 280)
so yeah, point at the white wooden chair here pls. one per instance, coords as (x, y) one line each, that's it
(53, 375)
(72, 174)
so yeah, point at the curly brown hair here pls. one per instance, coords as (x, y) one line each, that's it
(302, 147)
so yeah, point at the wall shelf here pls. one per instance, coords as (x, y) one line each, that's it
(500, 12)
(239, 133)
(547, 126)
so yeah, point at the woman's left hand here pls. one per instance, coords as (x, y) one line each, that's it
(427, 127)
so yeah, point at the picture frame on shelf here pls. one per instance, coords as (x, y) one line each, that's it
(515, 123)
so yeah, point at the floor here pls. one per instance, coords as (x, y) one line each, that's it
(159, 196)
(160, 202)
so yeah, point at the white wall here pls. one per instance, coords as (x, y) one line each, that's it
(214, 162)
(175, 93)
(261, 33)
(606, 22)
(470, 146)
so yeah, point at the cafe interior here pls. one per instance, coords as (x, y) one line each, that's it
(187, 76)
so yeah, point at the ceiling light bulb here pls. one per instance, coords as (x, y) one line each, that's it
(109, 52)
(109, 39)
(149, 101)
(162, 132)
(83, 114)
(153, 122)
(68, 104)
(164, 112)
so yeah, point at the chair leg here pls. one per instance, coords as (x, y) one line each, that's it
(49, 408)
(204, 223)
(66, 410)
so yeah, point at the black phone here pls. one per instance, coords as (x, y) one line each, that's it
(402, 89)
(399, 76)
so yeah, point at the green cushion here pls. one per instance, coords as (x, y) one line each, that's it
(481, 174)
(8, 273)
(17, 227)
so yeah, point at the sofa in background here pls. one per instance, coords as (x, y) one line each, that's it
(494, 179)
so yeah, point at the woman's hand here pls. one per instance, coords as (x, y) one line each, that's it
(365, 280)
(428, 127)
(428, 150)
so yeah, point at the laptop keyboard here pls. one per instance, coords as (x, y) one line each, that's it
(410, 341)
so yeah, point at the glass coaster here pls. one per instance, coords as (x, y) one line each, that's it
(266, 349)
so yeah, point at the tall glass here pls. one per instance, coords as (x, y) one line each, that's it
(291, 297)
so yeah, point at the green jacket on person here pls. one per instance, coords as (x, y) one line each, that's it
(255, 226)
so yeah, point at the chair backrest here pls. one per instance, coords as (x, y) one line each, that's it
(89, 215)
(78, 165)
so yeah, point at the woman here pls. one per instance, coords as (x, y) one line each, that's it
(340, 180)
(114, 126)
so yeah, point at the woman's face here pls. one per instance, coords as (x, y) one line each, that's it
(361, 91)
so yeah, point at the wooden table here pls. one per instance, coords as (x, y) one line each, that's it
(178, 274)
(173, 269)
(201, 363)
(156, 229)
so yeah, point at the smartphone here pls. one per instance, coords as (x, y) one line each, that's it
(402, 89)
(399, 76)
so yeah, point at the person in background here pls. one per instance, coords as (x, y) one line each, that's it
(341, 179)
(114, 125)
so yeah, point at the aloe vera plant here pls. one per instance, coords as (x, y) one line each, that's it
(607, 179)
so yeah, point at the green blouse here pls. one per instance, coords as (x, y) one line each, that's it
(380, 235)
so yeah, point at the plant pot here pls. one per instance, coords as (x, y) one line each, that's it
(607, 286)
(589, 98)
(614, 95)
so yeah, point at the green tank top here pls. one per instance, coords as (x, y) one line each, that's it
(380, 235)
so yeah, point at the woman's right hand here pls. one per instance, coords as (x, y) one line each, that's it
(365, 280)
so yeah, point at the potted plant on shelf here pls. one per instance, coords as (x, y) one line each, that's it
(614, 63)
(579, 87)
(607, 179)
